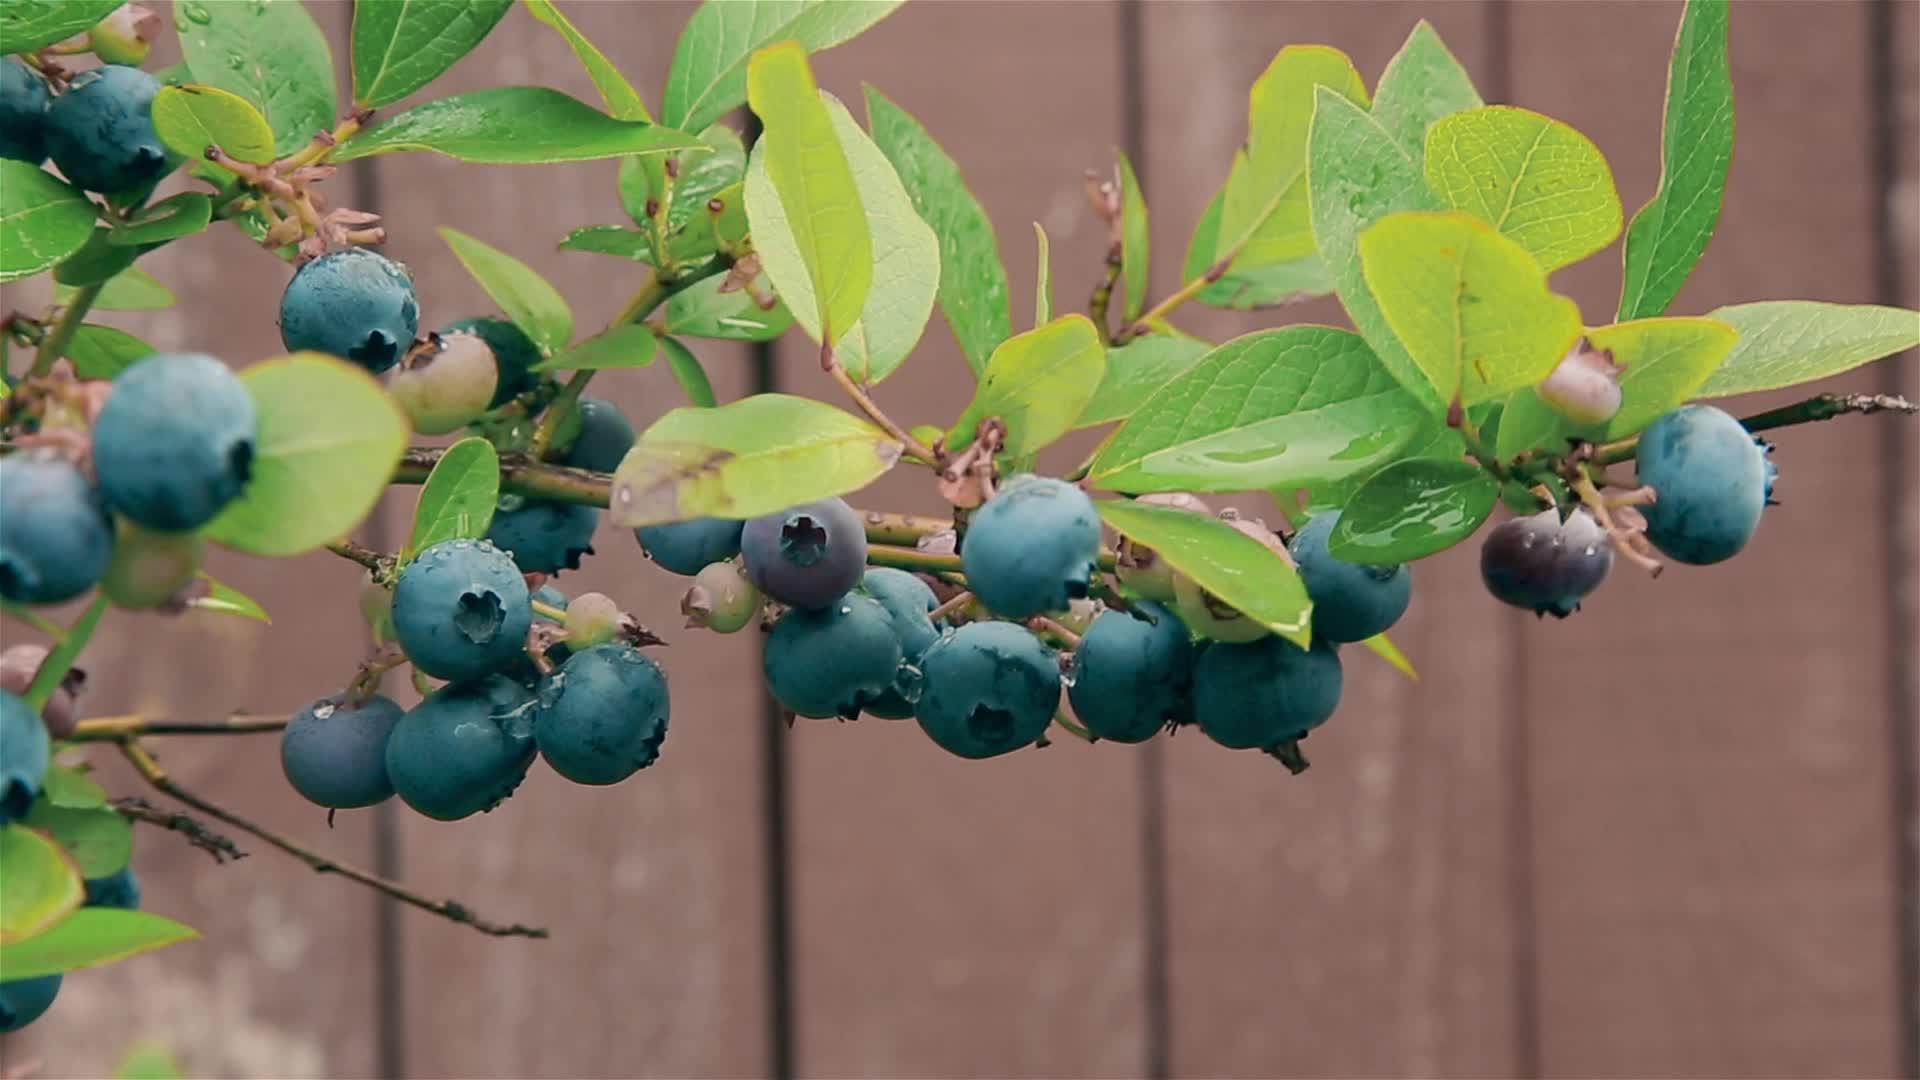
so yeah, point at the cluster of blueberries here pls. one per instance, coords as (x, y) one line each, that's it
(99, 131)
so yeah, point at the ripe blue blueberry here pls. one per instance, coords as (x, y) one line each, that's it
(687, 547)
(120, 889)
(335, 754)
(603, 715)
(604, 436)
(987, 688)
(1712, 478)
(464, 749)
(23, 113)
(833, 661)
(1031, 548)
(354, 303)
(23, 1000)
(25, 753)
(1545, 565)
(461, 610)
(1132, 673)
(175, 442)
(445, 386)
(513, 351)
(100, 132)
(543, 536)
(55, 536)
(1351, 601)
(907, 601)
(806, 556)
(1264, 693)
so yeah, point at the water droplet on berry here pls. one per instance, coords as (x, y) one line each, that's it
(909, 682)
(1069, 670)
(321, 712)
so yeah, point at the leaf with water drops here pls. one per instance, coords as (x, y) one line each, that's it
(400, 46)
(1412, 509)
(270, 52)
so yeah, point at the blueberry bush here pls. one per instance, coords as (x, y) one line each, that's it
(1103, 596)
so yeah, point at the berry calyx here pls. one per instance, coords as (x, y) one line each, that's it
(806, 556)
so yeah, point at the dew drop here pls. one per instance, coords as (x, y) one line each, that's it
(1069, 670)
(322, 712)
(197, 12)
(236, 62)
(846, 609)
(909, 682)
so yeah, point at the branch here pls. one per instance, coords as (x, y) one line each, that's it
(153, 774)
(1816, 408)
(61, 334)
(1144, 324)
(114, 728)
(221, 848)
(360, 553)
(913, 446)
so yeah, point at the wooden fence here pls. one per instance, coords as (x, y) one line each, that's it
(1669, 837)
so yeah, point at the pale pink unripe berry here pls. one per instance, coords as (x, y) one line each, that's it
(1209, 616)
(592, 619)
(447, 384)
(1585, 388)
(1142, 569)
(721, 599)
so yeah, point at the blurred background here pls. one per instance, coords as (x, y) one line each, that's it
(1672, 836)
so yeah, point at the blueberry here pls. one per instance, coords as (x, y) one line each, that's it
(592, 619)
(150, 568)
(100, 132)
(1543, 564)
(604, 436)
(20, 663)
(335, 754)
(1132, 672)
(1351, 601)
(806, 556)
(447, 386)
(907, 601)
(687, 547)
(175, 442)
(1031, 549)
(1264, 693)
(354, 303)
(1713, 479)
(721, 599)
(513, 351)
(1208, 615)
(120, 889)
(832, 661)
(986, 689)
(55, 536)
(603, 715)
(461, 610)
(25, 753)
(23, 113)
(544, 536)
(464, 749)
(1138, 566)
(23, 1000)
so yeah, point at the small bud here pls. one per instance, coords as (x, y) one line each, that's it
(1585, 388)
(592, 619)
(126, 36)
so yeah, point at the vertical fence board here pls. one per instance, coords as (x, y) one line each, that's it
(1709, 750)
(1902, 212)
(1375, 885)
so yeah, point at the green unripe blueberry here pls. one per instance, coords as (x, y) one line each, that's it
(1351, 601)
(125, 36)
(445, 387)
(1031, 548)
(806, 556)
(592, 619)
(987, 688)
(832, 661)
(175, 442)
(600, 436)
(513, 351)
(22, 1001)
(25, 753)
(354, 303)
(1139, 567)
(543, 536)
(687, 547)
(55, 536)
(23, 113)
(907, 601)
(335, 754)
(603, 715)
(461, 610)
(150, 568)
(100, 132)
(721, 599)
(464, 749)
(1132, 673)
(1264, 693)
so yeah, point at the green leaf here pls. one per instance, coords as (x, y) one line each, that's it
(1383, 647)
(191, 118)
(801, 186)
(70, 787)
(42, 887)
(458, 499)
(1669, 234)
(906, 257)
(683, 207)
(148, 1061)
(1357, 174)
(688, 373)
(1789, 342)
(973, 289)
(1667, 361)
(1529, 423)
(43, 220)
(169, 219)
(91, 937)
(1042, 281)
(749, 458)
(1136, 371)
(1037, 383)
(513, 125)
(628, 345)
(1244, 288)
(623, 101)
(1541, 183)
(400, 46)
(97, 260)
(1292, 407)
(1134, 240)
(525, 297)
(26, 25)
(611, 240)
(101, 352)
(709, 72)
(67, 649)
(1470, 305)
(224, 599)
(1422, 83)
(1241, 571)
(329, 439)
(97, 839)
(132, 289)
(1412, 509)
(272, 54)
(703, 309)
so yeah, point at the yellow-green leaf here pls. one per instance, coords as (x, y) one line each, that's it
(191, 118)
(1037, 383)
(1668, 360)
(90, 937)
(535, 306)
(1383, 647)
(227, 600)
(1271, 172)
(96, 838)
(628, 345)
(41, 886)
(1540, 182)
(1789, 342)
(1241, 571)
(1471, 307)
(1134, 239)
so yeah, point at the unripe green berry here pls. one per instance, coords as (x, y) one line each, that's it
(149, 568)
(126, 36)
(721, 599)
(592, 618)
(446, 385)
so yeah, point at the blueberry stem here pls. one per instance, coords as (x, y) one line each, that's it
(60, 335)
(1144, 324)
(1073, 727)
(111, 728)
(360, 553)
(149, 769)
(137, 809)
(950, 607)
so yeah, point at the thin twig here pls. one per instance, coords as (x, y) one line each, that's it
(360, 553)
(913, 446)
(138, 809)
(955, 604)
(153, 774)
(110, 728)
(1040, 624)
(1144, 324)
(1813, 409)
